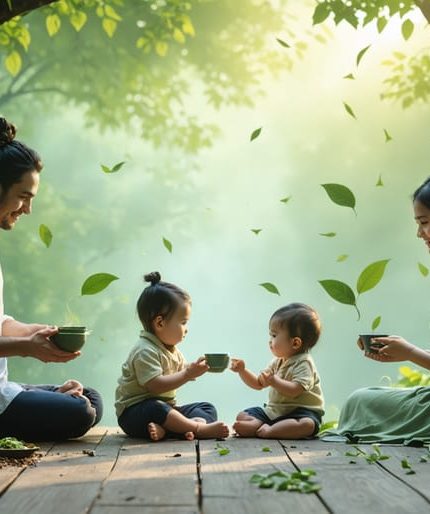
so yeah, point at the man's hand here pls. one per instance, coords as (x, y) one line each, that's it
(197, 368)
(237, 365)
(72, 387)
(40, 347)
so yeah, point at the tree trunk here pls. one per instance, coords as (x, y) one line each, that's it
(424, 5)
(19, 7)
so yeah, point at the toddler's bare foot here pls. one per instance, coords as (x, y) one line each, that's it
(215, 430)
(264, 431)
(245, 428)
(189, 436)
(156, 432)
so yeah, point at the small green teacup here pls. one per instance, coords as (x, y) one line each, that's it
(370, 347)
(70, 339)
(217, 362)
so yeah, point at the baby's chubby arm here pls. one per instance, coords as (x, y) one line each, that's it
(251, 380)
(164, 383)
(284, 387)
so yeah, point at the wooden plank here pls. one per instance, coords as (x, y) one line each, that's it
(225, 479)
(421, 479)
(148, 474)
(355, 488)
(64, 481)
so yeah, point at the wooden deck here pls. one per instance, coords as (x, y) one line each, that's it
(132, 476)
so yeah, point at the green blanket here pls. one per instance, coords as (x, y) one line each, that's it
(385, 415)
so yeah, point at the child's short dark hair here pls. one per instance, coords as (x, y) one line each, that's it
(159, 299)
(301, 321)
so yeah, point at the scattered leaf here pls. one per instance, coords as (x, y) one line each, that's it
(168, 245)
(342, 257)
(114, 169)
(222, 450)
(371, 276)
(407, 29)
(96, 283)
(270, 287)
(13, 63)
(328, 234)
(256, 230)
(266, 449)
(349, 110)
(45, 235)
(256, 133)
(340, 195)
(376, 322)
(423, 269)
(283, 43)
(361, 53)
(379, 183)
(53, 24)
(349, 76)
(286, 199)
(388, 138)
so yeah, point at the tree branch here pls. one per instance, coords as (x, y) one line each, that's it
(424, 5)
(20, 7)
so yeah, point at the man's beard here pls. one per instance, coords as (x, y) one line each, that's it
(5, 225)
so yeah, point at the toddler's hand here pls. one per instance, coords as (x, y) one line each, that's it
(237, 365)
(197, 368)
(72, 387)
(265, 378)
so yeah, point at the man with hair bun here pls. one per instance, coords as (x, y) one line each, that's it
(33, 412)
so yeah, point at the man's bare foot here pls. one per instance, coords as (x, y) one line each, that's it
(156, 432)
(215, 430)
(245, 428)
(264, 432)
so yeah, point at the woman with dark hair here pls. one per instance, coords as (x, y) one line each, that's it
(30, 412)
(385, 414)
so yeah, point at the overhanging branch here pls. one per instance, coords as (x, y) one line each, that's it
(19, 7)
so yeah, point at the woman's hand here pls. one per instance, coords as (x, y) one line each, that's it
(40, 347)
(237, 365)
(197, 368)
(72, 387)
(395, 349)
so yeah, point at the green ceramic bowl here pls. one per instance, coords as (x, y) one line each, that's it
(78, 330)
(69, 341)
(217, 362)
(366, 339)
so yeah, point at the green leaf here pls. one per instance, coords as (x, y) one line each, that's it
(361, 54)
(255, 134)
(423, 269)
(109, 26)
(161, 48)
(379, 183)
(266, 449)
(321, 13)
(286, 199)
(371, 276)
(168, 245)
(96, 283)
(24, 38)
(381, 23)
(13, 63)
(339, 291)
(349, 76)
(114, 169)
(53, 24)
(78, 20)
(45, 235)
(270, 287)
(283, 43)
(256, 230)
(387, 136)
(405, 464)
(407, 29)
(376, 322)
(340, 195)
(110, 11)
(223, 451)
(349, 110)
(342, 257)
(328, 234)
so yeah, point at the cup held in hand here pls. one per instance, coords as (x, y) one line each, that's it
(366, 340)
(70, 339)
(217, 362)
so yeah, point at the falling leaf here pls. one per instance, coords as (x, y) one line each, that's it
(45, 235)
(371, 276)
(285, 200)
(270, 287)
(349, 76)
(379, 183)
(256, 133)
(256, 230)
(114, 169)
(349, 110)
(361, 54)
(283, 43)
(376, 322)
(407, 29)
(342, 257)
(387, 136)
(423, 269)
(340, 195)
(381, 23)
(328, 234)
(168, 245)
(322, 11)
(339, 291)
(96, 283)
